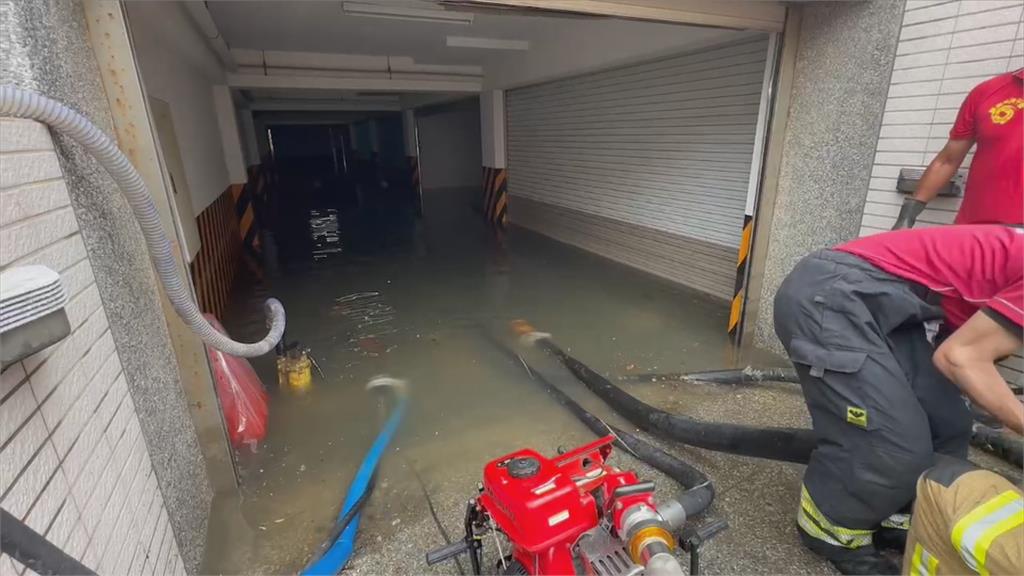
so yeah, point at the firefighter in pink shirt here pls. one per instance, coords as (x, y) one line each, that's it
(883, 400)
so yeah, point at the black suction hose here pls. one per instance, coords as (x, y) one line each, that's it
(786, 444)
(989, 440)
(699, 491)
(983, 437)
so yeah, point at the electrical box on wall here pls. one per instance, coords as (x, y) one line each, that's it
(910, 178)
(32, 312)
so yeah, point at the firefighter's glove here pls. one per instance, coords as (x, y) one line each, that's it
(909, 212)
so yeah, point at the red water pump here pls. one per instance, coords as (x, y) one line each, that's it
(571, 514)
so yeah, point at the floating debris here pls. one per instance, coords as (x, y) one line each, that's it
(372, 345)
(356, 296)
(371, 318)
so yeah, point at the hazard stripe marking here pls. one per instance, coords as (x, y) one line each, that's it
(742, 260)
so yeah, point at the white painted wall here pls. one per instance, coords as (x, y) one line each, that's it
(492, 128)
(250, 143)
(409, 133)
(230, 137)
(178, 67)
(450, 147)
(74, 465)
(945, 49)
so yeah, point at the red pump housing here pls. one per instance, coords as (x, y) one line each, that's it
(543, 505)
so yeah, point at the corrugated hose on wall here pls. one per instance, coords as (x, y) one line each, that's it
(19, 103)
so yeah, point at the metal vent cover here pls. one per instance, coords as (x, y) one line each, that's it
(909, 179)
(32, 316)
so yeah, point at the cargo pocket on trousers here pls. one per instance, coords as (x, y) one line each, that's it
(837, 370)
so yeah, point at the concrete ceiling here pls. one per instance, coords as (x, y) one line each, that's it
(559, 45)
(319, 26)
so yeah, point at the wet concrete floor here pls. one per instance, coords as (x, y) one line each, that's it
(420, 310)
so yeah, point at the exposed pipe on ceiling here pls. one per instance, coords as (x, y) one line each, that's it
(200, 14)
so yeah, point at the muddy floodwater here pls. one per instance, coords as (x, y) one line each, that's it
(424, 300)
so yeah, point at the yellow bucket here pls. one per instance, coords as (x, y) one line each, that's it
(295, 371)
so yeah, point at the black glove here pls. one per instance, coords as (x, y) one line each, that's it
(909, 212)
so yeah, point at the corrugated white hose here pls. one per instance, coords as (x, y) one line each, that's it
(19, 103)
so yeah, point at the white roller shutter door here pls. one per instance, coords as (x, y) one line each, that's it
(662, 148)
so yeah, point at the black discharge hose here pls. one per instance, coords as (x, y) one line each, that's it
(786, 444)
(699, 490)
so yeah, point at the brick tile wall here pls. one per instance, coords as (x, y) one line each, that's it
(73, 463)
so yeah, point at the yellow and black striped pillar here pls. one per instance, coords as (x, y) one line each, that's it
(495, 204)
(244, 197)
(739, 288)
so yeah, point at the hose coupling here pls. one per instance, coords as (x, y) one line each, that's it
(527, 334)
(646, 534)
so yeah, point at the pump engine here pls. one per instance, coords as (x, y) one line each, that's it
(571, 514)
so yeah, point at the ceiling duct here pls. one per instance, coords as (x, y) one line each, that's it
(286, 63)
(431, 13)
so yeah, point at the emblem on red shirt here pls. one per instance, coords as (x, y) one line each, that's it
(1003, 112)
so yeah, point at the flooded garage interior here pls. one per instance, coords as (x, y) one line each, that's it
(472, 213)
(434, 309)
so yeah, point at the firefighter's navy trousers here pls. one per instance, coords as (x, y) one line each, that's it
(879, 407)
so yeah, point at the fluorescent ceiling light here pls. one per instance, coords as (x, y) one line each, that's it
(487, 43)
(436, 15)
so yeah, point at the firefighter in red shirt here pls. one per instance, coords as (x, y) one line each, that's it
(992, 116)
(881, 398)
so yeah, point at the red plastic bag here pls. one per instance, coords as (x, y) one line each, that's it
(242, 397)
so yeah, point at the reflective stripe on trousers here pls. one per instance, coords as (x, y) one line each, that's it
(897, 521)
(819, 526)
(974, 533)
(923, 563)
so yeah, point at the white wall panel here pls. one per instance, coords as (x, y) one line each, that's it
(449, 145)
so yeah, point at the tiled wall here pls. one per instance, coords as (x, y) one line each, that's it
(945, 49)
(73, 463)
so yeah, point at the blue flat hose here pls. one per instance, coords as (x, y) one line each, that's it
(337, 556)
